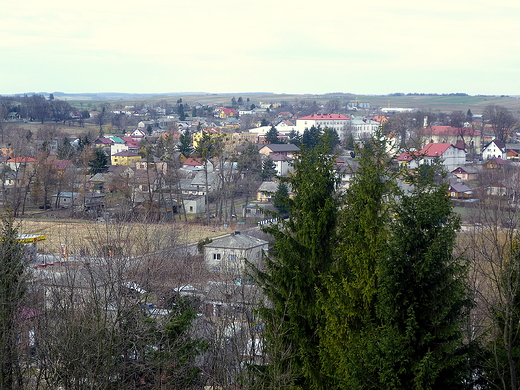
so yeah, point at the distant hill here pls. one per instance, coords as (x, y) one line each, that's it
(433, 102)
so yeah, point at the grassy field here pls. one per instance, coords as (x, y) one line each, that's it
(139, 237)
(435, 103)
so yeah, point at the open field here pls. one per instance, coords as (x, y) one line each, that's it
(78, 234)
(435, 103)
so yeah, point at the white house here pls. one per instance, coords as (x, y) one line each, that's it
(494, 149)
(229, 254)
(118, 148)
(283, 164)
(447, 154)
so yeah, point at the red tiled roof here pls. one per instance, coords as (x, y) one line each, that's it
(434, 149)
(325, 116)
(193, 162)
(104, 140)
(22, 159)
(60, 165)
(380, 119)
(453, 131)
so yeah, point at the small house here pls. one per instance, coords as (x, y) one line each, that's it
(229, 254)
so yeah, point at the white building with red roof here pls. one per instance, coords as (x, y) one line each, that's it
(337, 122)
(449, 134)
(445, 153)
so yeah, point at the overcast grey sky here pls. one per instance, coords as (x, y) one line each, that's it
(281, 46)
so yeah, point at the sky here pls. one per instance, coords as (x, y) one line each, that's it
(279, 46)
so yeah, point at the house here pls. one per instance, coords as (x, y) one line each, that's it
(215, 134)
(16, 163)
(138, 133)
(494, 163)
(266, 191)
(346, 171)
(287, 150)
(466, 173)
(494, 149)
(512, 155)
(459, 190)
(498, 188)
(66, 199)
(283, 164)
(88, 201)
(229, 254)
(126, 157)
(194, 204)
(102, 142)
(199, 182)
(223, 112)
(446, 154)
(28, 324)
(448, 134)
(196, 164)
(156, 165)
(118, 148)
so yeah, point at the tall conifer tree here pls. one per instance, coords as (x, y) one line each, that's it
(422, 293)
(302, 251)
(349, 348)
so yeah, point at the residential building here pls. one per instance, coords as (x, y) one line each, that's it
(448, 134)
(286, 150)
(466, 172)
(494, 149)
(126, 157)
(229, 254)
(447, 154)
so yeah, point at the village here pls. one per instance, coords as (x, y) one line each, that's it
(128, 206)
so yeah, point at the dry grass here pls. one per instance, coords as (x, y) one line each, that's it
(140, 236)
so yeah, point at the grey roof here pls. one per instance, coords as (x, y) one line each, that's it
(279, 148)
(272, 186)
(460, 187)
(236, 241)
(469, 169)
(200, 179)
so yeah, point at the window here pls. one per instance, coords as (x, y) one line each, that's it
(216, 256)
(232, 257)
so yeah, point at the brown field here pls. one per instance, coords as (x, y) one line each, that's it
(139, 237)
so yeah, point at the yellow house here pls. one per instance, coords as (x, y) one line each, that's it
(126, 157)
(217, 136)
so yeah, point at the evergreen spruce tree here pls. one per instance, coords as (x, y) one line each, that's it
(268, 171)
(295, 138)
(349, 341)
(311, 137)
(422, 293)
(12, 291)
(331, 138)
(185, 146)
(98, 163)
(271, 137)
(302, 251)
(281, 199)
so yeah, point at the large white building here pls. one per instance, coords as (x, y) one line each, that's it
(332, 121)
(361, 129)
